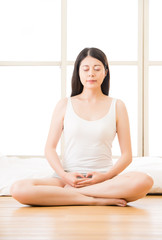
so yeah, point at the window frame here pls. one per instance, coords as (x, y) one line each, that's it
(142, 63)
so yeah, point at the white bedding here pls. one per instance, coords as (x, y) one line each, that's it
(15, 168)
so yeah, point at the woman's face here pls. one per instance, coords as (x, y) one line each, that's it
(91, 72)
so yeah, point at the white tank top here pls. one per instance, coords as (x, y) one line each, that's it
(88, 143)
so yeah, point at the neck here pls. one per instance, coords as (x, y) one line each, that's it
(91, 94)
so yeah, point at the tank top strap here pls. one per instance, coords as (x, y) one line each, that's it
(112, 112)
(69, 110)
(112, 109)
(114, 103)
(70, 107)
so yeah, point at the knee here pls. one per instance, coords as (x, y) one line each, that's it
(19, 191)
(148, 182)
(143, 182)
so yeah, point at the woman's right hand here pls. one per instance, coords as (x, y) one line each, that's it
(71, 178)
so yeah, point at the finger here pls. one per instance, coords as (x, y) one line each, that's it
(85, 182)
(83, 179)
(89, 175)
(82, 185)
(79, 175)
(80, 181)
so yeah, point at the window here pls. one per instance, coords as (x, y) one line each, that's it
(110, 25)
(155, 115)
(40, 40)
(27, 98)
(30, 76)
(154, 84)
(30, 30)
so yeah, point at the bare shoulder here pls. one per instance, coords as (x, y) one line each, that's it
(120, 104)
(60, 107)
(120, 109)
(62, 103)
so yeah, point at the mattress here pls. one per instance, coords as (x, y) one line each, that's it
(16, 168)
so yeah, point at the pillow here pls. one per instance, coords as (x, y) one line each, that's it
(151, 166)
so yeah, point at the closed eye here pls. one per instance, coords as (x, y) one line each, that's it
(85, 69)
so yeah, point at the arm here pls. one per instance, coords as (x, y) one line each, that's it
(54, 135)
(123, 132)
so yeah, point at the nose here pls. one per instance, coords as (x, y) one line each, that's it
(91, 72)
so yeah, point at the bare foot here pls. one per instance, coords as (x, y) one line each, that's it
(109, 201)
(104, 201)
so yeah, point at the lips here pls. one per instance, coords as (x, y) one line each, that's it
(91, 81)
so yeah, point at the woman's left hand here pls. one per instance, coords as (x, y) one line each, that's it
(91, 178)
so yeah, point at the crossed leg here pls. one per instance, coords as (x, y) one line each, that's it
(51, 192)
(129, 186)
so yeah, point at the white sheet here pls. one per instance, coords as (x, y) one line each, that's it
(15, 168)
(151, 166)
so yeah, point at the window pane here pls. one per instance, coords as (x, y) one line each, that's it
(155, 34)
(124, 86)
(109, 25)
(155, 115)
(30, 30)
(27, 98)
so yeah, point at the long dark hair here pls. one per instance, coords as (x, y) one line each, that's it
(76, 84)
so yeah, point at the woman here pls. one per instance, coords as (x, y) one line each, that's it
(90, 120)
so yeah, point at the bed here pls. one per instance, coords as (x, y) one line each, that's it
(15, 168)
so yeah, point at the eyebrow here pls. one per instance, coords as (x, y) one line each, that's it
(94, 65)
